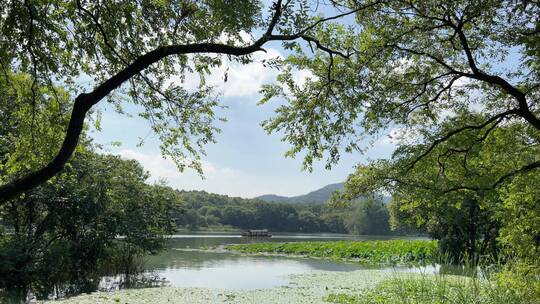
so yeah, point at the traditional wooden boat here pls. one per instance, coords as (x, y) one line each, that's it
(256, 233)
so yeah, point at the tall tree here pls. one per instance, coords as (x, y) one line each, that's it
(69, 226)
(369, 217)
(67, 230)
(452, 194)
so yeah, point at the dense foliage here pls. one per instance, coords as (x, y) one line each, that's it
(451, 194)
(371, 252)
(67, 230)
(201, 209)
(95, 218)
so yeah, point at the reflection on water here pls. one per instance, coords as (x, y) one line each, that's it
(182, 267)
(184, 264)
(229, 271)
(51, 291)
(142, 280)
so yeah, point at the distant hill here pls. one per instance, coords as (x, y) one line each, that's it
(318, 196)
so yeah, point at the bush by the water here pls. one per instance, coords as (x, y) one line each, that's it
(387, 252)
(63, 236)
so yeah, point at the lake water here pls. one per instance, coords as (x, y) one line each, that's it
(184, 264)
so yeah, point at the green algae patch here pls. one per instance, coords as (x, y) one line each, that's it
(369, 252)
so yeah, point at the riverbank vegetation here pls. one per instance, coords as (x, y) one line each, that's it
(441, 289)
(99, 217)
(369, 252)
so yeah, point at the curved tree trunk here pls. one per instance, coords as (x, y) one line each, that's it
(85, 101)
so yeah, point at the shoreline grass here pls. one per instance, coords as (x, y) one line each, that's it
(427, 289)
(369, 252)
(324, 287)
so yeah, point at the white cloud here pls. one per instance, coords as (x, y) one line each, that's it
(243, 80)
(244, 36)
(246, 80)
(397, 136)
(222, 180)
(401, 65)
(158, 166)
(299, 77)
(216, 179)
(462, 82)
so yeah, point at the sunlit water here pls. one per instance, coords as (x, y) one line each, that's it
(185, 265)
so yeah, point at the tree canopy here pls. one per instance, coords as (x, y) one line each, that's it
(400, 63)
(67, 229)
(412, 65)
(129, 50)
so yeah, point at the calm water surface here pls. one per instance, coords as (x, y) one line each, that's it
(185, 265)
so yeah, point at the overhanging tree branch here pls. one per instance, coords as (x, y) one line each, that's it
(524, 109)
(477, 74)
(85, 101)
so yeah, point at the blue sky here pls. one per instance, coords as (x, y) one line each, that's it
(245, 161)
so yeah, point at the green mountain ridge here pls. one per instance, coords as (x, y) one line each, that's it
(318, 196)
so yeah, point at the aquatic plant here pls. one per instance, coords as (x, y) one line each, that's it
(380, 252)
